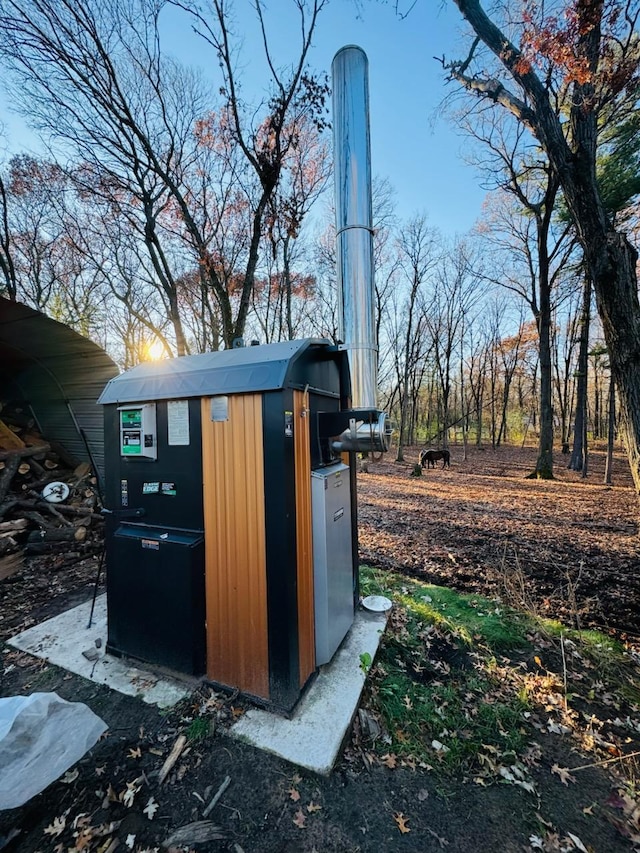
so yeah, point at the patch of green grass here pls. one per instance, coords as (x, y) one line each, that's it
(447, 723)
(455, 674)
(438, 702)
(472, 618)
(45, 677)
(598, 645)
(199, 729)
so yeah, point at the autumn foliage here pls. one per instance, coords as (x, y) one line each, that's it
(559, 40)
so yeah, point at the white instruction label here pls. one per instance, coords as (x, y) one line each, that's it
(178, 422)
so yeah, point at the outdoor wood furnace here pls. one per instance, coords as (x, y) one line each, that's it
(231, 544)
(232, 531)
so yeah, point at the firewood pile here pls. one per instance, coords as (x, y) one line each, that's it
(48, 503)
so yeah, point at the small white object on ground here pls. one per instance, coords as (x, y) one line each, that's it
(376, 603)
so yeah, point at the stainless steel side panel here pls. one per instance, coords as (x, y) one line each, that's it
(332, 558)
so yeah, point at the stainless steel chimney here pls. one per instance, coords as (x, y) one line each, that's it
(354, 243)
(354, 231)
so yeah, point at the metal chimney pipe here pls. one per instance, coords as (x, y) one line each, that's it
(354, 232)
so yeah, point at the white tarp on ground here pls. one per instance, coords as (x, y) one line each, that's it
(41, 736)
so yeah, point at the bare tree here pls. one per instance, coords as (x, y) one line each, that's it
(92, 76)
(34, 230)
(417, 255)
(476, 363)
(611, 430)
(296, 96)
(537, 252)
(455, 290)
(9, 282)
(325, 320)
(579, 450)
(51, 272)
(305, 178)
(565, 336)
(534, 81)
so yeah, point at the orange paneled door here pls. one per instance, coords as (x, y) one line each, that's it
(235, 556)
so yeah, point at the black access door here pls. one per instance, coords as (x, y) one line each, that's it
(155, 597)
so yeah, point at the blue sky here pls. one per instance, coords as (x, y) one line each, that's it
(420, 154)
(418, 151)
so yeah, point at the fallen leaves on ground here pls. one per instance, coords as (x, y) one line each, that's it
(553, 842)
(488, 527)
(151, 808)
(300, 819)
(129, 794)
(57, 827)
(441, 841)
(70, 776)
(401, 822)
(563, 773)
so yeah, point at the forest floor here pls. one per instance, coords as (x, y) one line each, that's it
(567, 549)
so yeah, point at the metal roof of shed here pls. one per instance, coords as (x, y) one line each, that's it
(266, 367)
(59, 374)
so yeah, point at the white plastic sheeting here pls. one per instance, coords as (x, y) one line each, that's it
(41, 736)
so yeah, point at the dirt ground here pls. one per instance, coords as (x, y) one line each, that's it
(568, 548)
(481, 527)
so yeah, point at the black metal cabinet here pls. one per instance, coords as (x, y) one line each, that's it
(155, 587)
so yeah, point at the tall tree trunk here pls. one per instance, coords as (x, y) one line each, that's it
(585, 449)
(401, 436)
(577, 456)
(178, 329)
(617, 297)
(610, 432)
(445, 415)
(494, 406)
(479, 406)
(404, 409)
(286, 272)
(502, 431)
(7, 268)
(544, 463)
(597, 429)
(464, 409)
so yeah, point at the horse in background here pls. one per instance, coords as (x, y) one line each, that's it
(431, 456)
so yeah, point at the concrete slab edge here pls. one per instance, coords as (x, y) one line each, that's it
(315, 734)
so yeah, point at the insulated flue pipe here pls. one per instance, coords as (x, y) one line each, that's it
(354, 233)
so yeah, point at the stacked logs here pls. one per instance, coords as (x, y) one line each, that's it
(30, 524)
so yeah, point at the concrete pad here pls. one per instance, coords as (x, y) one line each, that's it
(66, 641)
(312, 738)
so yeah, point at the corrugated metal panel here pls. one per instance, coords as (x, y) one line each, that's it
(60, 374)
(243, 370)
(304, 543)
(235, 550)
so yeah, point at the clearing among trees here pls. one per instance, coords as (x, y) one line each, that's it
(566, 548)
